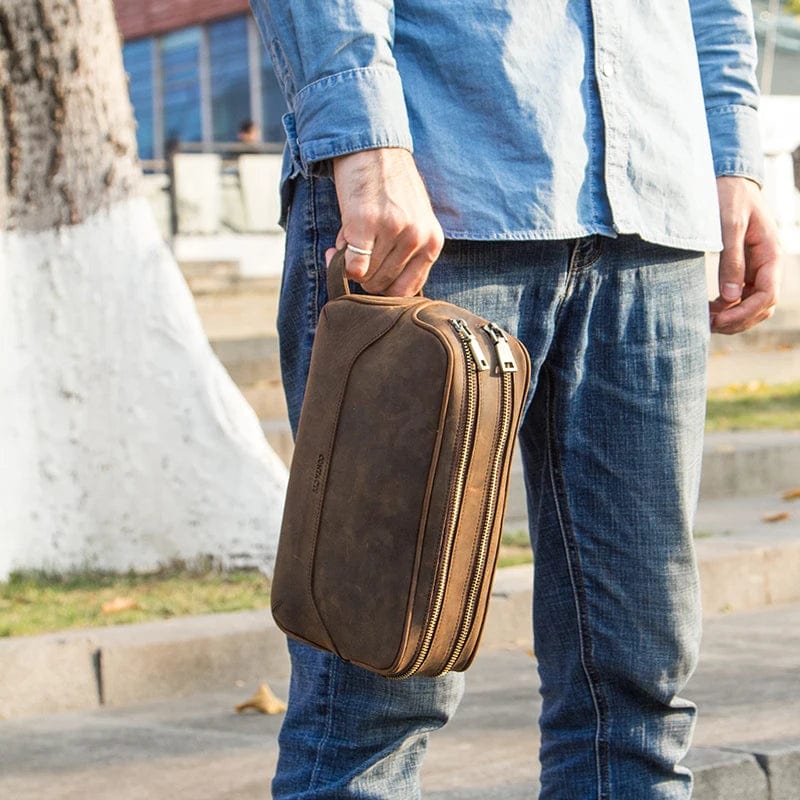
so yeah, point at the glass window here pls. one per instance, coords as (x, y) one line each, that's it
(137, 57)
(230, 82)
(272, 101)
(180, 60)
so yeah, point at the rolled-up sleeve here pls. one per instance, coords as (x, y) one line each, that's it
(726, 50)
(338, 75)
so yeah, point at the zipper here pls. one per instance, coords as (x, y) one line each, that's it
(505, 358)
(506, 409)
(507, 365)
(471, 341)
(474, 362)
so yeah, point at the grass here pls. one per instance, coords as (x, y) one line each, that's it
(515, 548)
(38, 602)
(754, 406)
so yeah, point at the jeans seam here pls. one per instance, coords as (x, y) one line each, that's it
(314, 253)
(579, 596)
(333, 663)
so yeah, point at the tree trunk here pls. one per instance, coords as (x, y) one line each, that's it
(123, 442)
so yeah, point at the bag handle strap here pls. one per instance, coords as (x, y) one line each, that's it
(337, 277)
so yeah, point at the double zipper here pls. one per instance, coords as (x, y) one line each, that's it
(474, 362)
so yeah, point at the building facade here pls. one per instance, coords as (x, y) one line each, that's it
(198, 71)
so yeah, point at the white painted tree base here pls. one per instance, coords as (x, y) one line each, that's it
(124, 444)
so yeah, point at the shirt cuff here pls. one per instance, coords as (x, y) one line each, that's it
(736, 142)
(359, 109)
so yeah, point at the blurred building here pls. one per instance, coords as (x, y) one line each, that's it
(198, 71)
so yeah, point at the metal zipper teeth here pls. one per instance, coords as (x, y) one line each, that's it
(488, 524)
(453, 512)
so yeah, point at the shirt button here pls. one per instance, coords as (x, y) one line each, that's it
(608, 69)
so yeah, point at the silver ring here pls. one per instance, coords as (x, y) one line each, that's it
(358, 250)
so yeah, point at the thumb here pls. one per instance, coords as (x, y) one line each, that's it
(732, 269)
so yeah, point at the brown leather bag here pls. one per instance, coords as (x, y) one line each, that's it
(398, 484)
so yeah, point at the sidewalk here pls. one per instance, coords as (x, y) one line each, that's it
(747, 743)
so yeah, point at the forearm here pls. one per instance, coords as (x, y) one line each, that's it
(339, 78)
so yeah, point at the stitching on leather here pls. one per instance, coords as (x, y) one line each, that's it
(329, 454)
(431, 473)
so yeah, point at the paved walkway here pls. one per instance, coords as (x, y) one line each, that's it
(748, 689)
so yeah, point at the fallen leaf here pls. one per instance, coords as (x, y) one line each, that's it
(264, 701)
(119, 604)
(780, 516)
(792, 494)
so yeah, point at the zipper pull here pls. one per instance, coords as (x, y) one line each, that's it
(467, 336)
(505, 357)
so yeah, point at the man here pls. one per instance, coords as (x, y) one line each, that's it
(563, 172)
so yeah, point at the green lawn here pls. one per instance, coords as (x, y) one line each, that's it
(37, 603)
(754, 406)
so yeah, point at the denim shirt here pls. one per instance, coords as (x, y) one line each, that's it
(530, 119)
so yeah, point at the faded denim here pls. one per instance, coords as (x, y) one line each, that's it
(611, 441)
(530, 120)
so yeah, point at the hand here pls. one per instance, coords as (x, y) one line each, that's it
(385, 208)
(749, 265)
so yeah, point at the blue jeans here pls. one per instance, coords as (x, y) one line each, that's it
(611, 444)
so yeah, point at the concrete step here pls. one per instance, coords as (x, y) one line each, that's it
(267, 399)
(279, 437)
(769, 366)
(747, 562)
(247, 308)
(204, 277)
(742, 463)
(735, 464)
(249, 360)
(777, 333)
(739, 464)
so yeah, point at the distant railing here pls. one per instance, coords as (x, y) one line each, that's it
(222, 187)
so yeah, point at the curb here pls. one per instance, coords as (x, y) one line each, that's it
(758, 772)
(735, 464)
(125, 664)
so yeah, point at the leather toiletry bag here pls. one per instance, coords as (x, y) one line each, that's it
(398, 483)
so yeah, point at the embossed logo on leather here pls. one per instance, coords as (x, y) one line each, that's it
(318, 468)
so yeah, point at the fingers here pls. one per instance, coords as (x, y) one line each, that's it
(731, 262)
(385, 209)
(749, 267)
(404, 269)
(759, 298)
(356, 264)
